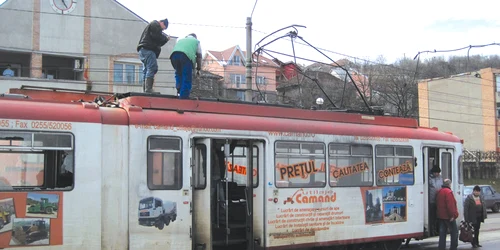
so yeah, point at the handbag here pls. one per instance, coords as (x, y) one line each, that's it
(466, 231)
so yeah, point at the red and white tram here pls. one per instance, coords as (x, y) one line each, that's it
(154, 172)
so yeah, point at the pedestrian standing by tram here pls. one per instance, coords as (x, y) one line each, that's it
(475, 212)
(149, 48)
(447, 214)
(185, 55)
(435, 183)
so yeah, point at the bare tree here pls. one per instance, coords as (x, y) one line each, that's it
(399, 87)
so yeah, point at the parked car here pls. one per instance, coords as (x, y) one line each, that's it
(491, 197)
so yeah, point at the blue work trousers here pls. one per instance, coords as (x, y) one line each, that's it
(149, 63)
(183, 74)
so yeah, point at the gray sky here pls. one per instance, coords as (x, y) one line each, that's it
(359, 28)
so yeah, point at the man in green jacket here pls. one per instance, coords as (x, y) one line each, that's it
(186, 53)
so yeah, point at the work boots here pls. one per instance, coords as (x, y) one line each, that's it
(148, 85)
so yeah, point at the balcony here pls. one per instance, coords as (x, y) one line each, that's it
(41, 70)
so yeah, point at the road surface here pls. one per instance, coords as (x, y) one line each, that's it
(489, 237)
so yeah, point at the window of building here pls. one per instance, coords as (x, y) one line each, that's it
(236, 61)
(164, 163)
(394, 165)
(498, 139)
(260, 80)
(298, 164)
(240, 95)
(40, 160)
(498, 110)
(238, 80)
(62, 67)
(497, 81)
(127, 73)
(350, 165)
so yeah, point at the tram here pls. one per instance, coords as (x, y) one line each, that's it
(139, 171)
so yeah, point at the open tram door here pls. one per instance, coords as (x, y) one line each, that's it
(223, 195)
(438, 158)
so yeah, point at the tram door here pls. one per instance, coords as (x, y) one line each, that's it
(223, 216)
(441, 159)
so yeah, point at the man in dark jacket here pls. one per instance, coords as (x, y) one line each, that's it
(185, 55)
(435, 183)
(475, 212)
(447, 214)
(149, 48)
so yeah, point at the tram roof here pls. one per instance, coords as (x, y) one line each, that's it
(210, 105)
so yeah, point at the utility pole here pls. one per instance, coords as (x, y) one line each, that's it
(249, 91)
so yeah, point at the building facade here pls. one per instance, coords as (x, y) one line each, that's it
(230, 64)
(84, 44)
(467, 105)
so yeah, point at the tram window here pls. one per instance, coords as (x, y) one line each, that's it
(36, 160)
(164, 163)
(446, 165)
(350, 165)
(460, 170)
(394, 165)
(200, 176)
(300, 164)
(236, 169)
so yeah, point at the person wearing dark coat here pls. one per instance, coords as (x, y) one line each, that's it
(149, 48)
(475, 212)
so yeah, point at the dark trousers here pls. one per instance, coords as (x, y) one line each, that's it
(183, 74)
(477, 225)
(433, 221)
(444, 226)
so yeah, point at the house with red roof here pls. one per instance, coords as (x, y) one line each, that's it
(231, 65)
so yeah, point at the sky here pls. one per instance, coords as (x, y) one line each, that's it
(362, 29)
(354, 29)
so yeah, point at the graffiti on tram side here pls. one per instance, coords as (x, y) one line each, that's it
(31, 219)
(384, 204)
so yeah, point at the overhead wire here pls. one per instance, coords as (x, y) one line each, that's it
(272, 81)
(140, 20)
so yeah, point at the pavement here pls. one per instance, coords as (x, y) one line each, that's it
(489, 238)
